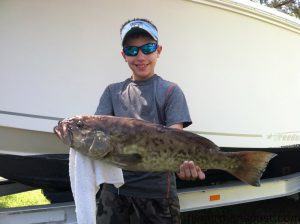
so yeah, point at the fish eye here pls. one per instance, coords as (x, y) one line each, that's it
(79, 124)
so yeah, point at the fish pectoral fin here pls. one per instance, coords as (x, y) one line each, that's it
(97, 144)
(98, 147)
(129, 158)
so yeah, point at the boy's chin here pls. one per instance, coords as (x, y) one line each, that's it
(142, 76)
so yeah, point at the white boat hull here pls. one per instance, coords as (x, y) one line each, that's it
(236, 63)
(27, 142)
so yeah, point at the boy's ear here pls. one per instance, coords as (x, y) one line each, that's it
(123, 55)
(159, 49)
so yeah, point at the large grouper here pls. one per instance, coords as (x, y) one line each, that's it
(138, 145)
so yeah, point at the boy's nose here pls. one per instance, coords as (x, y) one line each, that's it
(140, 54)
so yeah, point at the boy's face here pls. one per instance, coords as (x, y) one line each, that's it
(142, 65)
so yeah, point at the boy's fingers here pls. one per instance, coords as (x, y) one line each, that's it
(181, 173)
(187, 171)
(193, 170)
(200, 173)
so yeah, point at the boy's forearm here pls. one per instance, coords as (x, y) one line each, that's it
(177, 126)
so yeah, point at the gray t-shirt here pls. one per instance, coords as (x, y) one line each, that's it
(155, 100)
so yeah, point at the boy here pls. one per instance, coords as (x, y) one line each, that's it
(152, 197)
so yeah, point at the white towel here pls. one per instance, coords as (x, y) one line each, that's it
(86, 174)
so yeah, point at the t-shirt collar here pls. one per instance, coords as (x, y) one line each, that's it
(143, 82)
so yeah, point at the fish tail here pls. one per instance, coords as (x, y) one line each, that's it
(250, 165)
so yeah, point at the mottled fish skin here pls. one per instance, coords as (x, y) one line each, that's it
(139, 145)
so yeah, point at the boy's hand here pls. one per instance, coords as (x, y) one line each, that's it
(189, 171)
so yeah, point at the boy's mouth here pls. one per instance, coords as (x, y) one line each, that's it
(141, 66)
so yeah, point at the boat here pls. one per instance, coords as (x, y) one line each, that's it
(236, 61)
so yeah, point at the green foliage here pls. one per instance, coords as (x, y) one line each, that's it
(291, 7)
(23, 199)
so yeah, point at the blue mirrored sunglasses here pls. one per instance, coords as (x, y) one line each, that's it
(146, 49)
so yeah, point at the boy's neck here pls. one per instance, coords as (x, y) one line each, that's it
(137, 78)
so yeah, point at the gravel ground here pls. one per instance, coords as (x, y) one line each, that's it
(273, 211)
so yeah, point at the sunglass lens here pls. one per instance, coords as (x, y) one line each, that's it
(149, 48)
(146, 49)
(131, 51)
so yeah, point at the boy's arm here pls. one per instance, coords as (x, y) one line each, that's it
(105, 106)
(188, 170)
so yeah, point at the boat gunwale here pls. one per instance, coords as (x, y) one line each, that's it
(256, 11)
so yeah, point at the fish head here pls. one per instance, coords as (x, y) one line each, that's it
(81, 134)
(72, 131)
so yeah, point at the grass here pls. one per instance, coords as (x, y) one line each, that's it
(28, 198)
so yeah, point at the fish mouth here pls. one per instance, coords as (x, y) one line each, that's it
(58, 130)
(63, 134)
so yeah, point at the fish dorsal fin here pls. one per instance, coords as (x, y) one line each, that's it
(197, 139)
(206, 142)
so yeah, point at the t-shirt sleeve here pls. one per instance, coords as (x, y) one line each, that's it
(176, 109)
(105, 106)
